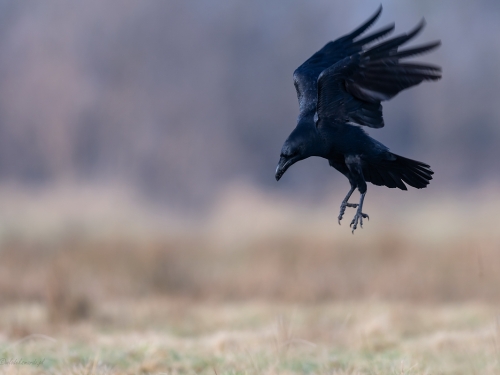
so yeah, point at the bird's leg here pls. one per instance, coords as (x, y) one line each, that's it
(354, 164)
(359, 214)
(345, 202)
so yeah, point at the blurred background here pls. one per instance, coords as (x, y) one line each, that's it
(139, 139)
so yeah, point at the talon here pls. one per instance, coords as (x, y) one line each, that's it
(359, 216)
(358, 219)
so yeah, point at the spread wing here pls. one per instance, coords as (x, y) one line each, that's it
(352, 90)
(306, 76)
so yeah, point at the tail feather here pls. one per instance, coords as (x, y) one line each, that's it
(398, 172)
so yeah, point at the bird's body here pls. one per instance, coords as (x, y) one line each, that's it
(341, 87)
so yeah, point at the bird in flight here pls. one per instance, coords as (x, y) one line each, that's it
(340, 88)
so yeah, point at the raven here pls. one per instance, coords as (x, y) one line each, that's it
(342, 86)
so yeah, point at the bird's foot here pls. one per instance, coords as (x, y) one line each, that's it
(358, 218)
(343, 207)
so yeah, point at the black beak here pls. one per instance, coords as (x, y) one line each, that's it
(283, 165)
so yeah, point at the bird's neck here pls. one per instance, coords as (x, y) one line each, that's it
(311, 137)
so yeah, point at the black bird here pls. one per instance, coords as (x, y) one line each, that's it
(342, 86)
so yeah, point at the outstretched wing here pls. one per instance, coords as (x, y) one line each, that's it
(352, 90)
(306, 76)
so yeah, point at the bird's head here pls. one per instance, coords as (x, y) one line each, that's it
(291, 152)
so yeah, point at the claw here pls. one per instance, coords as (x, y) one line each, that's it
(346, 204)
(343, 206)
(342, 210)
(358, 218)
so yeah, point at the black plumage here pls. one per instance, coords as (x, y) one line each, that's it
(341, 87)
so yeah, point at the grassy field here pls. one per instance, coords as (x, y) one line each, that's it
(162, 336)
(259, 286)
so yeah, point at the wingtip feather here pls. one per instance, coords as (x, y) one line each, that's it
(376, 35)
(361, 29)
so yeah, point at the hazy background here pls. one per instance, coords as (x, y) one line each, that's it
(178, 98)
(156, 127)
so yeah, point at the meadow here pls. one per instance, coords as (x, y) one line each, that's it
(260, 285)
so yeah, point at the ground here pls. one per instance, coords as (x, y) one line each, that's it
(173, 336)
(261, 286)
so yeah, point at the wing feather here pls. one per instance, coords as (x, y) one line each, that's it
(352, 89)
(306, 76)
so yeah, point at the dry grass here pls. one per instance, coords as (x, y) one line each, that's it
(295, 267)
(286, 269)
(260, 286)
(153, 336)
